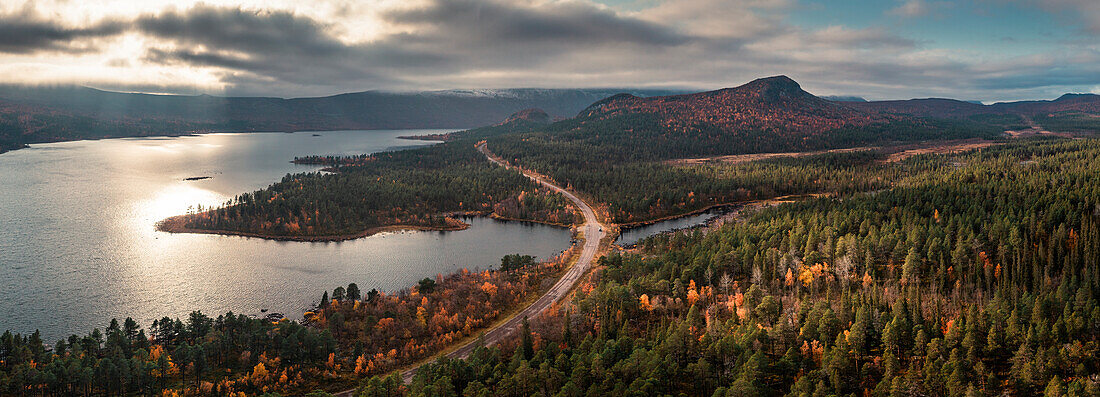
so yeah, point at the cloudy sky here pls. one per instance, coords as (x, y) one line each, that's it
(971, 49)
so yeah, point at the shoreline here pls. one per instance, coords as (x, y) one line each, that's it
(498, 217)
(429, 137)
(635, 225)
(734, 209)
(175, 224)
(27, 145)
(632, 225)
(5, 149)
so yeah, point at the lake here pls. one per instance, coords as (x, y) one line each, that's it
(79, 246)
(633, 235)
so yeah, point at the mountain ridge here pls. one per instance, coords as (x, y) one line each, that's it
(952, 108)
(775, 103)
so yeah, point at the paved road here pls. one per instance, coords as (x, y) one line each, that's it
(592, 234)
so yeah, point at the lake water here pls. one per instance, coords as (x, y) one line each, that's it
(635, 234)
(78, 244)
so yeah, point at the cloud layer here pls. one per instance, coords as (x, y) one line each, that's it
(435, 44)
(24, 32)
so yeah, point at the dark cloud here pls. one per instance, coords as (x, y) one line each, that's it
(270, 47)
(242, 30)
(450, 37)
(25, 32)
(573, 22)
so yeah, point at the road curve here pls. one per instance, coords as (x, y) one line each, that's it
(592, 234)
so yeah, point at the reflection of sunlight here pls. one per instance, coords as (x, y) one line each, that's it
(159, 148)
(175, 200)
(181, 144)
(157, 253)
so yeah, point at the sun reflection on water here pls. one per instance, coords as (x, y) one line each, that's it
(176, 199)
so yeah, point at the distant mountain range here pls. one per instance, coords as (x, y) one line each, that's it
(775, 114)
(47, 114)
(774, 108)
(779, 103)
(951, 108)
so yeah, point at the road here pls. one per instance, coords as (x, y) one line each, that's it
(592, 232)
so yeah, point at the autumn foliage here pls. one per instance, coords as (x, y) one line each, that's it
(386, 331)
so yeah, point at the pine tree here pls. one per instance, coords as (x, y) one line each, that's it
(353, 292)
(527, 344)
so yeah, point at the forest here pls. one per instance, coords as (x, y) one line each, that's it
(349, 335)
(1068, 121)
(622, 161)
(976, 275)
(378, 333)
(229, 355)
(639, 191)
(418, 187)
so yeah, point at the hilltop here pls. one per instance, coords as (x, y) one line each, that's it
(774, 103)
(532, 115)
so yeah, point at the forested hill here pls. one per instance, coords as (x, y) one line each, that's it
(532, 115)
(774, 103)
(925, 107)
(48, 114)
(939, 107)
(766, 115)
(1068, 113)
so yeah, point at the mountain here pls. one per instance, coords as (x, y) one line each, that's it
(1070, 113)
(47, 114)
(532, 115)
(775, 103)
(764, 115)
(950, 108)
(522, 121)
(1085, 103)
(928, 107)
(771, 114)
